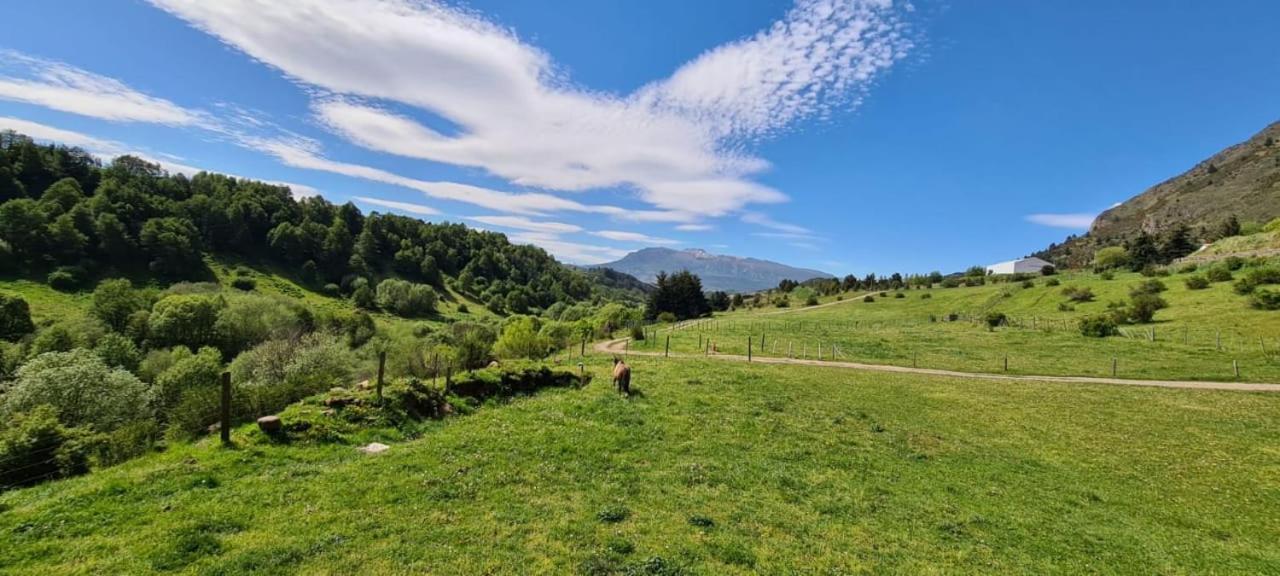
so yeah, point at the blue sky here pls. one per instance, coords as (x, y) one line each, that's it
(850, 136)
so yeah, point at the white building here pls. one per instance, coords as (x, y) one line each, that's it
(1021, 266)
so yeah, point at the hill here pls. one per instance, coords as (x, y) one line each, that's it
(1242, 181)
(718, 272)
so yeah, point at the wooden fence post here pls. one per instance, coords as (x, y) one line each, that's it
(224, 417)
(667, 353)
(1113, 367)
(1235, 365)
(582, 351)
(1006, 363)
(382, 365)
(748, 348)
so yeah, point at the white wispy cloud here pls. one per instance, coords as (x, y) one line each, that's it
(66, 88)
(527, 225)
(575, 252)
(410, 207)
(635, 237)
(517, 116)
(1077, 221)
(767, 221)
(694, 227)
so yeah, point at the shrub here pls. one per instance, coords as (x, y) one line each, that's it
(637, 333)
(1196, 282)
(187, 319)
(405, 298)
(1052, 282)
(1219, 274)
(1233, 263)
(1108, 275)
(1110, 257)
(189, 376)
(952, 317)
(247, 320)
(995, 320)
(1098, 326)
(868, 298)
(1152, 286)
(1048, 270)
(1028, 284)
(332, 290)
(462, 308)
(69, 333)
(950, 282)
(1078, 294)
(66, 278)
(276, 373)
(114, 301)
(667, 318)
(15, 317)
(35, 446)
(1066, 307)
(812, 300)
(82, 389)
(1265, 299)
(118, 351)
(926, 296)
(520, 339)
(1272, 226)
(244, 283)
(1143, 307)
(510, 380)
(1188, 268)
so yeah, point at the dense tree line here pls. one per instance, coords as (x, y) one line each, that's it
(65, 215)
(678, 295)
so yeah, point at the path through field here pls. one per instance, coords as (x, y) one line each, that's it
(619, 346)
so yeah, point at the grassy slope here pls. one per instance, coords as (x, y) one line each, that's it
(892, 331)
(49, 305)
(800, 469)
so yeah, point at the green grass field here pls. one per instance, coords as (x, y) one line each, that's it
(1197, 337)
(715, 468)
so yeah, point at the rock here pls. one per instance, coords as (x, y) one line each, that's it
(494, 364)
(374, 448)
(362, 385)
(270, 424)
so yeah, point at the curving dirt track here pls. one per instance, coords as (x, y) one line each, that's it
(618, 346)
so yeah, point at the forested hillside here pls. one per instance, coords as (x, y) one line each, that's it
(67, 218)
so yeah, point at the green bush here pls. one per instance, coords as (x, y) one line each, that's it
(995, 320)
(926, 296)
(1233, 263)
(1110, 257)
(1219, 274)
(1196, 282)
(186, 319)
(118, 351)
(1188, 268)
(1143, 307)
(868, 298)
(275, 373)
(15, 317)
(249, 319)
(1098, 326)
(1052, 282)
(1257, 277)
(1078, 294)
(407, 299)
(66, 278)
(895, 295)
(1048, 270)
(68, 333)
(1028, 284)
(1152, 286)
(812, 300)
(82, 389)
(1264, 299)
(510, 380)
(520, 339)
(35, 446)
(115, 301)
(667, 318)
(1108, 275)
(190, 374)
(244, 283)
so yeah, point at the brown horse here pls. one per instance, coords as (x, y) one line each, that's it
(622, 376)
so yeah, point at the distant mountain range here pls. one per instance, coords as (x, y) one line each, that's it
(718, 272)
(1242, 180)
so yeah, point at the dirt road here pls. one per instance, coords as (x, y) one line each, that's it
(619, 347)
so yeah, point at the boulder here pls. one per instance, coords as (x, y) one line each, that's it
(270, 424)
(374, 448)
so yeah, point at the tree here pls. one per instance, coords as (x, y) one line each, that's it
(405, 298)
(520, 339)
(719, 301)
(680, 294)
(15, 317)
(1142, 251)
(81, 388)
(1230, 227)
(1177, 242)
(22, 226)
(186, 319)
(173, 244)
(114, 301)
(1110, 257)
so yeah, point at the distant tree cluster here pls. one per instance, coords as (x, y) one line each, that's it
(678, 294)
(65, 215)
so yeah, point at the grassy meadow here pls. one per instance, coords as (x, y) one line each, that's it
(713, 468)
(1197, 337)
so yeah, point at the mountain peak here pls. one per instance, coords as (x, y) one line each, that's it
(717, 271)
